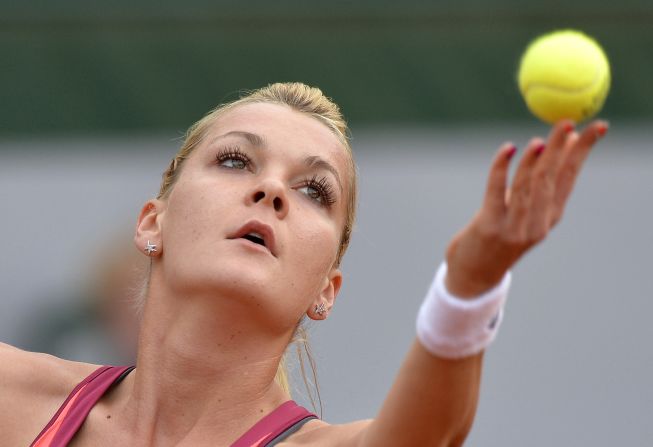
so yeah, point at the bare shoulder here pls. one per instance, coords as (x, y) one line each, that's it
(34, 372)
(32, 387)
(318, 433)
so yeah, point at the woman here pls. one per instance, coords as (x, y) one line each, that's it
(245, 238)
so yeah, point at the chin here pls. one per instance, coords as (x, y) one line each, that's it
(232, 279)
(243, 288)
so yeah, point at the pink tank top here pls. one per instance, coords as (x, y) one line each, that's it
(267, 432)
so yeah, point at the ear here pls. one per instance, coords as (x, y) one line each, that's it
(148, 227)
(327, 297)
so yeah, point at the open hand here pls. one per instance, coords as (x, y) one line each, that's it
(514, 219)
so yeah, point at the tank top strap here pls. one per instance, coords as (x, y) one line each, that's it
(72, 413)
(276, 426)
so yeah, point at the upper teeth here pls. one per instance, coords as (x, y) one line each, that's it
(260, 236)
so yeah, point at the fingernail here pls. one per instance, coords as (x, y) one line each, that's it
(568, 127)
(539, 149)
(602, 129)
(511, 152)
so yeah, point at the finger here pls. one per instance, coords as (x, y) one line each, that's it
(580, 148)
(559, 133)
(576, 154)
(554, 149)
(520, 190)
(544, 179)
(495, 192)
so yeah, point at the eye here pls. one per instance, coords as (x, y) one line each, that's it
(232, 158)
(318, 189)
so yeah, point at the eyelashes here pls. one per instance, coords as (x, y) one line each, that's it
(323, 191)
(233, 154)
(318, 188)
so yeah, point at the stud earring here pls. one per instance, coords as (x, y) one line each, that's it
(150, 248)
(320, 309)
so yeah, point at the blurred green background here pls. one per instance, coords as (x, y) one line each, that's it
(94, 94)
(74, 66)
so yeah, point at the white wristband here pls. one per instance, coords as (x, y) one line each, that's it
(451, 327)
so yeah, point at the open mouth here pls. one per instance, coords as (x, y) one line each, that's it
(255, 237)
(257, 233)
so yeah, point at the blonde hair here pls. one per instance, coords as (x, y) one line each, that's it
(299, 97)
(313, 102)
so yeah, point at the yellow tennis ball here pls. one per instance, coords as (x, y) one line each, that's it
(564, 74)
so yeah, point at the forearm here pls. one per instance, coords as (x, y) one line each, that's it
(431, 403)
(434, 398)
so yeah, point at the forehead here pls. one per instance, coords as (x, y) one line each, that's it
(284, 129)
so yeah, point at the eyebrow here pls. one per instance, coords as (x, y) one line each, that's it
(312, 161)
(316, 162)
(252, 138)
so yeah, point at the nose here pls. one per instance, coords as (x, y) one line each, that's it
(271, 192)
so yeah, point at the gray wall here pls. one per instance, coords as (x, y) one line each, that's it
(573, 362)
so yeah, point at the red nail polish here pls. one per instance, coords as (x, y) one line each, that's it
(602, 129)
(568, 127)
(539, 149)
(511, 152)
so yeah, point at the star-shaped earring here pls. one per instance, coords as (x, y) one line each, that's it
(150, 248)
(320, 309)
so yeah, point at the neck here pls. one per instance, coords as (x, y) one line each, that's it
(203, 371)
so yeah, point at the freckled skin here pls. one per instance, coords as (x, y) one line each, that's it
(210, 299)
(205, 291)
(210, 202)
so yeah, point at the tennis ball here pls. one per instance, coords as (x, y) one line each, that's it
(564, 74)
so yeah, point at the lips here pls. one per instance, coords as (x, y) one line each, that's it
(258, 233)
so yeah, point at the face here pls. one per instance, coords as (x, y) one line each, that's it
(257, 214)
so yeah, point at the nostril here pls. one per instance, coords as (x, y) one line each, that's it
(258, 196)
(277, 204)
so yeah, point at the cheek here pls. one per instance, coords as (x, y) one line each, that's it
(191, 216)
(316, 246)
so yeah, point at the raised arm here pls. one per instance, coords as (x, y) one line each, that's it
(433, 400)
